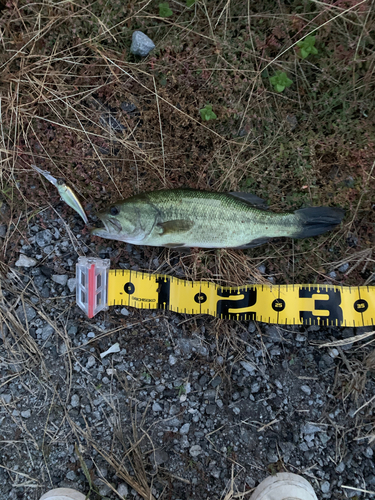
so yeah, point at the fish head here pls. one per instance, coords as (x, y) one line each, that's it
(125, 222)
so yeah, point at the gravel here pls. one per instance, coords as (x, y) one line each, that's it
(201, 398)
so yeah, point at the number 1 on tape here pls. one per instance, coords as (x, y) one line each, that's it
(98, 287)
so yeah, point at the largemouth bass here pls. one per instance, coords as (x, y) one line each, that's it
(188, 218)
(67, 194)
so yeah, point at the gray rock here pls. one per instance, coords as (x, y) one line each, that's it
(124, 311)
(310, 429)
(141, 44)
(325, 486)
(39, 281)
(47, 332)
(211, 409)
(255, 388)
(273, 333)
(104, 490)
(75, 401)
(72, 283)
(185, 429)
(72, 330)
(216, 382)
(210, 394)
(161, 456)
(60, 279)
(122, 490)
(251, 327)
(249, 367)
(43, 238)
(343, 268)
(340, 468)
(71, 475)
(6, 398)
(3, 230)
(369, 452)
(156, 407)
(90, 362)
(172, 360)
(195, 450)
(26, 414)
(30, 313)
(306, 389)
(24, 261)
(300, 337)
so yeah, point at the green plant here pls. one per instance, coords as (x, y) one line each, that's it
(146, 376)
(190, 3)
(164, 10)
(181, 390)
(280, 81)
(307, 46)
(207, 113)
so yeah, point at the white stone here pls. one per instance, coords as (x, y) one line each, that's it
(24, 261)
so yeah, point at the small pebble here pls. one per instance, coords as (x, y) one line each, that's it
(172, 360)
(306, 389)
(60, 279)
(156, 407)
(185, 429)
(124, 311)
(325, 487)
(195, 450)
(122, 490)
(72, 283)
(75, 401)
(26, 414)
(24, 261)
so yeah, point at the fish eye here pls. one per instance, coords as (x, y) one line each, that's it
(114, 210)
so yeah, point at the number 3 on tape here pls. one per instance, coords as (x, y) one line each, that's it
(99, 287)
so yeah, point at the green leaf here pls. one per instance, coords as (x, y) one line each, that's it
(307, 46)
(207, 113)
(190, 3)
(280, 81)
(164, 10)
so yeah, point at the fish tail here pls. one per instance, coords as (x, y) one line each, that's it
(317, 220)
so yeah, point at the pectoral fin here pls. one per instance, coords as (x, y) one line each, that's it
(253, 199)
(178, 226)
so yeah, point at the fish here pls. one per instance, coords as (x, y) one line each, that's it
(181, 218)
(67, 194)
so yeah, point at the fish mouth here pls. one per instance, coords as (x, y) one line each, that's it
(110, 225)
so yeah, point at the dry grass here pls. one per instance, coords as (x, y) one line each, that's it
(65, 66)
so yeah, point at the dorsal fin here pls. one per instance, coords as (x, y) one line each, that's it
(250, 198)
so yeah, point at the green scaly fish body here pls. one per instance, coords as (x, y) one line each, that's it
(188, 218)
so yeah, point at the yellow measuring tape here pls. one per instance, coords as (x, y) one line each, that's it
(325, 305)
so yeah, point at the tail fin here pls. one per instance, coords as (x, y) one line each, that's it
(317, 220)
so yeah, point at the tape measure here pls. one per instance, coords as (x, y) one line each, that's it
(327, 305)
